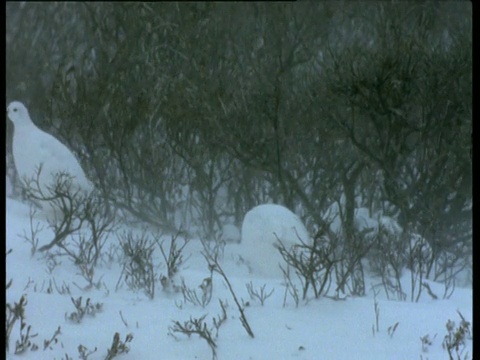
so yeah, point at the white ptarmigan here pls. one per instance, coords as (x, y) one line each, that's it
(33, 147)
(260, 229)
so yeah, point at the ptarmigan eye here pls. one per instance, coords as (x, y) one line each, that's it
(15, 110)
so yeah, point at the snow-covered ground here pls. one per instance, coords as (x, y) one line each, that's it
(319, 329)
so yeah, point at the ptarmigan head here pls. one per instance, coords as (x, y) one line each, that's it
(18, 113)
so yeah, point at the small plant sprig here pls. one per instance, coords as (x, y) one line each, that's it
(13, 313)
(427, 341)
(429, 290)
(376, 308)
(47, 343)
(123, 320)
(190, 295)
(290, 287)
(8, 283)
(119, 347)
(25, 343)
(220, 319)
(454, 341)
(199, 326)
(32, 238)
(260, 295)
(52, 262)
(214, 266)
(84, 352)
(391, 329)
(84, 258)
(376, 325)
(64, 289)
(17, 312)
(196, 326)
(138, 270)
(174, 259)
(81, 310)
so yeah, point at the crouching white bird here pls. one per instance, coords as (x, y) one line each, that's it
(262, 228)
(34, 148)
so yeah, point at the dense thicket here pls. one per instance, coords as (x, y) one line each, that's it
(192, 113)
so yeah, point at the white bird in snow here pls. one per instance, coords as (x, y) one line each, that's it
(33, 148)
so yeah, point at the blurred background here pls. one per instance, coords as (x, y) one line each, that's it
(189, 114)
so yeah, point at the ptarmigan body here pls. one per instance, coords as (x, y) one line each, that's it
(260, 229)
(33, 147)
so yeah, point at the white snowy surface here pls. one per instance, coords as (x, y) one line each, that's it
(362, 220)
(230, 233)
(8, 187)
(33, 148)
(320, 329)
(262, 227)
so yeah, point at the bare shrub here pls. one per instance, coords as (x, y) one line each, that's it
(25, 342)
(455, 340)
(313, 264)
(13, 313)
(259, 294)
(118, 346)
(191, 296)
(138, 270)
(32, 237)
(214, 266)
(82, 310)
(387, 260)
(80, 222)
(174, 259)
(199, 326)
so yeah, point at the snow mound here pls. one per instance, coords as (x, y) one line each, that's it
(230, 233)
(259, 228)
(390, 224)
(33, 148)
